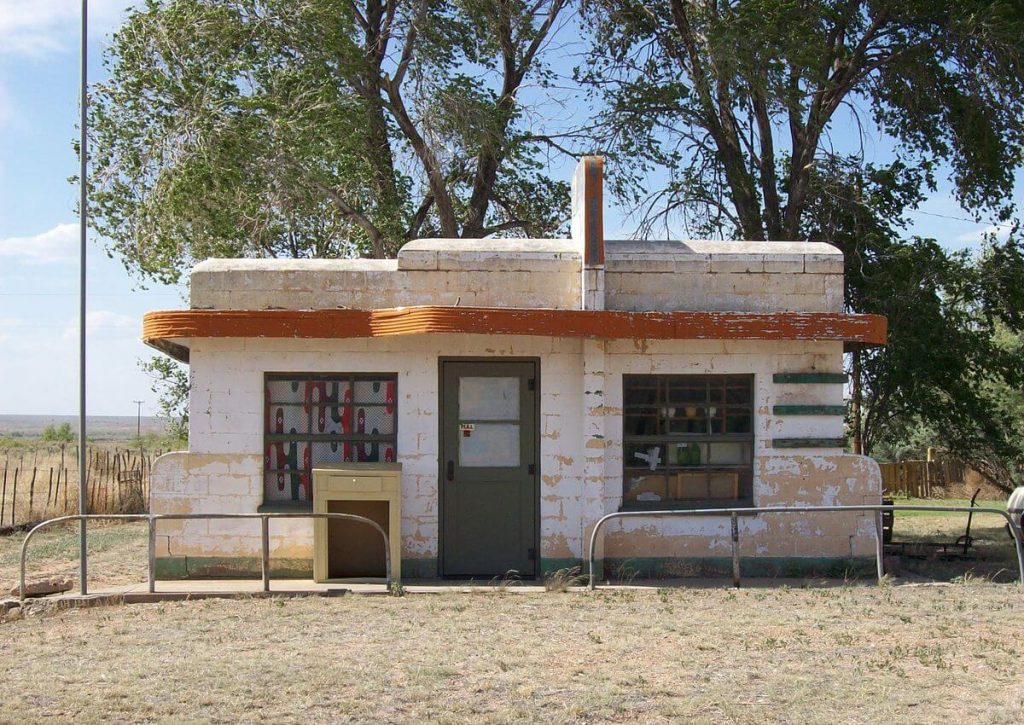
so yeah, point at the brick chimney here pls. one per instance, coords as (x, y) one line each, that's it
(588, 228)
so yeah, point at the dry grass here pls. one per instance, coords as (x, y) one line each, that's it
(923, 654)
(991, 555)
(946, 652)
(117, 554)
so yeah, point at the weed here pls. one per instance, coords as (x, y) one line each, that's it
(562, 580)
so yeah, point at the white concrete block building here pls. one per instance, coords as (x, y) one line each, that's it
(517, 391)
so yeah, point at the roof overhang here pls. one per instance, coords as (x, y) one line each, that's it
(162, 329)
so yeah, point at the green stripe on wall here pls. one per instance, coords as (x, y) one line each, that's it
(809, 410)
(830, 378)
(808, 443)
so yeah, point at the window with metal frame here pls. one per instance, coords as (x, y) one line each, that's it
(322, 419)
(687, 440)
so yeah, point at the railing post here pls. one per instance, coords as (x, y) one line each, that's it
(265, 557)
(735, 550)
(879, 546)
(152, 553)
(1017, 532)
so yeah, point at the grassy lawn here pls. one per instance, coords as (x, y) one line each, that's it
(945, 502)
(859, 653)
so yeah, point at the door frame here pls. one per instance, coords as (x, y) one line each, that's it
(441, 360)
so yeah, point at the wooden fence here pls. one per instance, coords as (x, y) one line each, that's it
(920, 479)
(38, 484)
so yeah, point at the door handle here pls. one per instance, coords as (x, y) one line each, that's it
(450, 471)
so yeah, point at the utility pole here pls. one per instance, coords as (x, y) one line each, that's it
(138, 421)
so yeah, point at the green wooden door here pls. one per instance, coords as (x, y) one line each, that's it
(489, 442)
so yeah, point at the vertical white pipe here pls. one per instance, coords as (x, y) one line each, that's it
(83, 160)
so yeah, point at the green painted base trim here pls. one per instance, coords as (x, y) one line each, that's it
(549, 566)
(809, 378)
(230, 567)
(809, 410)
(246, 567)
(808, 443)
(616, 569)
(419, 569)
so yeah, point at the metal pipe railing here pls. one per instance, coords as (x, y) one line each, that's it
(151, 520)
(734, 513)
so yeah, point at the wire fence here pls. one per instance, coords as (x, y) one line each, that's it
(40, 483)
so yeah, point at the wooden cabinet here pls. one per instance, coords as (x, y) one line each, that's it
(345, 549)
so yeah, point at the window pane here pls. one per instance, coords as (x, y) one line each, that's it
(333, 420)
(729, 485)
(373, 452)
(289, 420)
(729, 454)
(687, 391)
(286, 486)
(640, 393)
(644, 455)
(488, 398)
(286, 391)
(645, 486)
(375, 391)
(687, 454)
(489, 445)
(737, 421)
(374, 420)
(716, 390)
(687, 419)
(688, 486)
(287, 455)
(332, 453)
(640, 423)
(738, 391)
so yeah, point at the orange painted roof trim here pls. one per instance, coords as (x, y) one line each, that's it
(159, 329)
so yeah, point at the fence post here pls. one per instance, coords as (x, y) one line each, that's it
(152, 553)
(14, 497)
(879, 547)
(31, 492)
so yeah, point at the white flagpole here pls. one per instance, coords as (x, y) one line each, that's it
(83, 158)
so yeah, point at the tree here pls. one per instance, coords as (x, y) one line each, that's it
(58, 434)
(171, 385)
(318, 128)
(743, 105)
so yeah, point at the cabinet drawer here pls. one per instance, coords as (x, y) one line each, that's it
(354, 484)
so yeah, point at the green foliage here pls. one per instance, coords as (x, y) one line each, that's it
(736, 101)
(171, 385)
(58, 434)
(234, 128)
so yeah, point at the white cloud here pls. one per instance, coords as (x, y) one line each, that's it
(1001, 231)
(41, 27)
(102, 322)
(52, 246)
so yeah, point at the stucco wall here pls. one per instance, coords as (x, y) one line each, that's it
(581, 452)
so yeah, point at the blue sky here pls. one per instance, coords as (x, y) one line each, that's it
(39, 233)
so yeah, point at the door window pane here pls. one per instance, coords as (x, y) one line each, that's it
(489, 445)
(488, 398)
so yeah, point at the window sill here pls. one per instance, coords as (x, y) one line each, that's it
(285, 507)
(686, 505)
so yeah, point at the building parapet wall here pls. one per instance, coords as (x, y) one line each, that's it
(537, 273)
